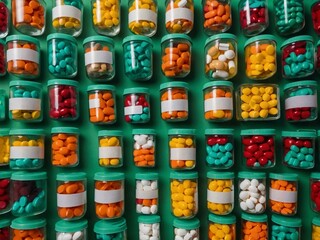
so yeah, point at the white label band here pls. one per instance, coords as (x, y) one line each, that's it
(23, 54)
(146, 194)
(110, 152)
(71, 200)
(108, 196)
(283, 196)
(142, 15)
(213, 104)
(220, 197)
(26, 152)
(182, 154)
(94, 103)
(174, 105)
(179, 13)
(24, 104)
(133, 110)
(98, 57)
(66, 11)
(301, 101)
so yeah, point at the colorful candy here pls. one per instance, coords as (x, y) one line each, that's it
(2, 56)
(285, 228)
(4, 20)
(186, 229)
(28, 228)
(222, 227)
(149, 227)
(144, 147)
(4, 147)
(147, 193)
(254, 227)
(315, 191)
(110, 148)
(111, 230)
(5, 204)
(315, 13)
(75, 230)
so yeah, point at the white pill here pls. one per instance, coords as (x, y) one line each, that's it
(154, 238)
(193, 232)
(136, 146)
(244, 184)
(143, 237)
(138, 208)
(222, 58)
(181, 232)
(243, 206)
(177, 237)
(262, 199)
(231, 65)
(244, 195)
(254, 182)
(229, 54)
(154, 209)
(254, 200)
(67, 236)
(136, 137)
(223, 46)
(77, 235)
(155, 227)
(196, 239)
(145, 210)
(150, 142)
(252, 189)
(220, 73)
(249, 204)
(139, 185)
(263, 193)
(145, 228)
(147, 188)
(255, 195)
(208, 59)
(154, 185)
(187, 237)
(261, 187)
(142, 140)
(259, 207)
(182, 3)
(145, 182)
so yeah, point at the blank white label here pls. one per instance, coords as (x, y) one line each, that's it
(174, 105)
(213, 104)
(110, 152)
(24, 104)
(283, 196)
(183, 154)
(146, 194)
(179, 13)
(71, 200)
(94, 103)
(19, 11)
(301, 101)
(23, 54)
(142, 14)
(133, 110)
(26, 152)
(220, 197)
(110, 196)
(66, 11)
(98, 57)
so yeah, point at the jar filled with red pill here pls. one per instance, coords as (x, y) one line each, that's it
(254, 226)
(315, 193)
(5, 229)
(286, 226)
(315, 14)
(63, 99)
(222, 227)
(23, 56)
(5, 203)
(136, 105)
(144, 146)
(4, 19)
(299, 148)
(221, 56)
(216, 16)
(298, 57)
(3, 65)
(71, 195)
(109, 195)
(315, 228)
(4, 146)
(29, 227)
(301, 101)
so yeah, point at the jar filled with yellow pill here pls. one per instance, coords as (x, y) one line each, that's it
(220, 192)
(184, 194)
(256, 102)
(222, 227)
(315, 228)
(4, 147)
(110, 148)
(106, 16)
(261, 57)
(143, 15)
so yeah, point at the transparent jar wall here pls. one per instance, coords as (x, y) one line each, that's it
(110, 151)
(137, 108)
(315, 195)
(149, 231)
(28, 233)
(4, 24)
(4, 150)
(5, 194)
(182, 233)
(81, 234)
(147, 196)
(295, 232)
(5, 231)
(3, 60)
(229, 233)
(315, 13)
(144, 150)
(118, 235)
(247, 233)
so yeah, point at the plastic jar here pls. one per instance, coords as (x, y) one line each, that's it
(315, 13)
(315, 191)
(71, 230)
(315, 228)
(4, 147)
(26, 149)
(106, 24)
(71, 195)
(138, 57)
(220, 192)
(217, 16)
(261, 57)
(28, 227)
(222, 227)
(136, 105)
(252, 192)
(110, 148)
(5, 224)
(184, 185)
(67, 16)
(143, 20)
(283, 193)
(218, 101)
(174, 101)
(4, 23)
(102, 104)
(298, 57)
(182, 148)
(109, 194)
(28, 193)
(62, 55)
(63, 99)
(149, 227)
(147, 193)
(179, 16)
(265, 95)
(254, 225)
(258, 148)
(176, 55)
(3, 60)
(5, 193)
(99, 58)
(23, 56)
(144, 146)
(186, 229)
(283, 226)
(65, 146)
(221, 56)
(29, 16)
(25, 101)
(112, 229)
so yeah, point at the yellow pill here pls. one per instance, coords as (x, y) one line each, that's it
(266, 97)
(255, 90)
(270, 50)
(114, 162)
(189, 142)
(246, 91)
(273, 111)
(36, 114)
(263, 113)
(245, 115)
(69, 25)
(254, 114)
(189, 164)
(113, 141)
(264, 105)
(245, 107)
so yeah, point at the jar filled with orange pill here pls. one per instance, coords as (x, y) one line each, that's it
(28, 228)
(174, 101)
(106, 16)
(4, 146)
(65, 146)
(254, 227)
(315, 228)
(217, 16)
(182, 148)
(184, 194)
(261, 57)
(110, 148)
(176, 55)
(71, 195)
(29, 16)
(283, 193)
(221, 56)
(179, 16)
(144, 144)
(222, 227)
(285, 228)
(23, 56)
(102, 104)
(220, 192)
(218, 101)
(109, 195)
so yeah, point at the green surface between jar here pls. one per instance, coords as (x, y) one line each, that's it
(147, 176)
(136, 90)
(174, 84)
(73, 176)
(226, 131)
(71, 130)
(146, 131)
(258, 132)
(175, 36)
(62, 36)
(32, 132)
(220, 175)
(304, 83)
(108, 133)
(62, 82)
(218, 83)
(28, 223)
(110, 226)
(28, 176)
(224, 36)
(229, 219)
(136, 38)
(316, 221)
(188, 224)
(297, 39)
(149, 219)
(264, 37)
(183, 175)
(284, 176)
(5, 174)
(4, 132)
(179, 131)
(25, 83)
(286, 221)
(5, 223)
(104, 176)
(98, 39)
(250, 175)
(23, 38)
(71, 226)
(305, 134)
(254, 218)
(101, 87)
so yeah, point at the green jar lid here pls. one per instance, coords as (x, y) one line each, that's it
(174, 84)
(5, 223)
(267, 37)
(23, 38)
(135, 90)
(221, 36)
(136, 38)
(297, 39)
(182, 131)
(32, 132)
(315, 175)
(286, 221)
(98, 39)
(63, 82)
(71, 130)
(183, 175)
(301, 133)
(28, 176)
(251, 175)
(70, 227)
(175, 36)
(110, 133)
(25, 223)
(254, 218)
(147, 176)
(284, 176)
(110, 226)
(220, 175)
(263, 132)
(218, 83)
(149, 219)
(101, 87)
(4, 132)
(61, 36)
(146, 131)
(5, 174)
(300, 84)
(25, 83)
(108, 176)
(224, 131)
(229, 219)
(74, 176)
(188, 224)
(316, 221)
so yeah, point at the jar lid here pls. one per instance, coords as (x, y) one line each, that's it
(286, 221)
(74, 176)
(284, 176)
(5, 174)
(23, 38)
(315, 175)
(25, 83)
(5, 223)
(62, 82)
(300, 84)
(147, 176)
(136, 38)
(98, 39)
(220, 175)
(149, 219)
(251, 175)
(4, 131)
(254, 218)
(217, 83)
(102, 133)
(297, 39)
(135, 90)
(33, 132)
(101, 87)
(316, 221)
(108, 176)
(175, 36)
(263, 131)
(174, 84)
(144, 131)
(227, 131)
(110, 226)
(73, 226)
(182, 131)
(221, 36)
(259, 38)
(229, 219)
(61, 36)
(183, 175)
(188, 224)
(65, 130)
(300, 133)
(25, 223)
(28, 176)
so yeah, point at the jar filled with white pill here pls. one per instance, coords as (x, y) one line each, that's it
(144, 144)
(75, 230)
(149, 227)
(186, 229)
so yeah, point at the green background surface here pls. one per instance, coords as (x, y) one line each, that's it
(89, 139)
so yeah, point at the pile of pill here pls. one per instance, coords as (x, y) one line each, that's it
(282, 232)
(219, 150)
(174, 104)
(4, 150)
(64, 150)
(4, 20)
(254, 230)
(315, 232)
(221, 231)
(183, 234)
(149, 231)
(182, 152)
(110, 152)
(115, 236)
(136, 108)
(217, 16)
(144, 150)
(78, 235)
(315, 195)
(147, 196)
(36, 233)
(4, 195)
(5, 233)
(102, 107)
(2, 57)
(315, 13)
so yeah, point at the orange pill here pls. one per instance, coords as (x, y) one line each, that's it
(144, 147)
(254, 227)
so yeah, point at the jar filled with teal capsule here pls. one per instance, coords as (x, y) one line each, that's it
(149, 227)
(5, 228)
(138, 58)
(2, 105)
(186, 228)
(29, 227)
(111, 229)
(4, 147)
(71, 229)
(3, 61)
(224, 224)
(5, 193)
(285, 226)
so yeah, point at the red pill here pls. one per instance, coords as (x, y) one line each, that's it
(4, 20)
(315, 13)
(2, 58)
(4, 195)
(4, 233)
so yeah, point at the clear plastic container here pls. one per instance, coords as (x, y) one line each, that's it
(28, 227)
(315, 228)
(25, 101)
(102, 104)
(23, 56)
(5, 193)
(4, 23)
(222, 227)
(5, 224)
(283, 226)
(221, 56)
(71, 195)
(144, 147)
(28, 193)
(254, 225)
(113, 229)
(71, 230)
(174, 101)
(149, 227)
(315, 13)
(4, 146)
(29, 16)
(3, 61)
(176, 55)
(186, 229)
(220, 192)
(99, 58)
(315, 192)
(109, 194)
